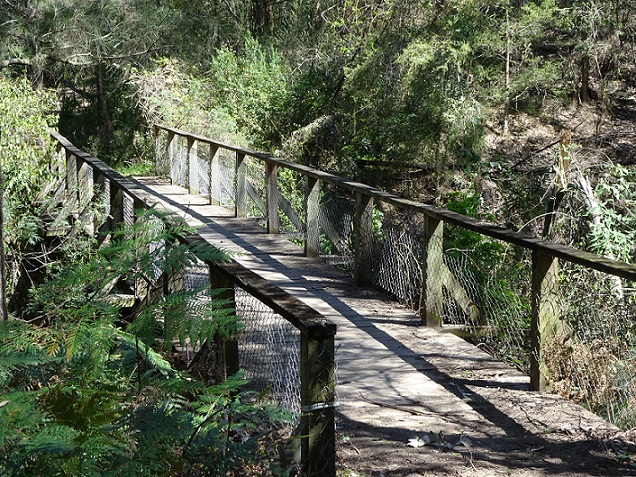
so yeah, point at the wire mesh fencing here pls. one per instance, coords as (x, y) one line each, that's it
(502, 291)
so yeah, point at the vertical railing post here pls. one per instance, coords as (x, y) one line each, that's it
(208, 171)
(317, 378)
(191, 183)
(431, 296)
(312, 201)
(84, 193)
(215, 175)
(169, 155)
(363, 242)
(116, 206)
(102, 189)
(546, 322)
(227, 347)
(240, 201)
(271, 179)
(71, 177)
(158, 152)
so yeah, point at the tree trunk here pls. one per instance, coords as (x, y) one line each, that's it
(596, 220)
(263, 17)
(106, 129)
(585, 79)
(3, 267)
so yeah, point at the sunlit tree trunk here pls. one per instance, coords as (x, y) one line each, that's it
(3, 266)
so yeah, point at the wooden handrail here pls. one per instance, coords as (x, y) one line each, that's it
(535, 244)
(545, 315)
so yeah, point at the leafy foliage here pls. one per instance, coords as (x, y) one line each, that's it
(84, 392)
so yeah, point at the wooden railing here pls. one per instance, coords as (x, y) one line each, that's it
(88, 177)
(545, 254)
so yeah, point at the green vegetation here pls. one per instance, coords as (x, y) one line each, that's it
(461, 103)
(88, 391)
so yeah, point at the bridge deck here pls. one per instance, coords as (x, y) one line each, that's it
(399, 382)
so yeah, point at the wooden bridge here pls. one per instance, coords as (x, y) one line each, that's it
(392, 385)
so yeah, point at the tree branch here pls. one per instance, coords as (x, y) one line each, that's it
(14, 61)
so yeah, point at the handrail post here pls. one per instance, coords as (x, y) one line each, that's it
(227, 348)
(363, 243)
(116, 206)
(240, 200)
(84, 193)
(546, 322)
(431, 296)
(84, 188)
(170, 153)
(212, 159)
(102, 189)
(312, 200)
(71, 176)
(190, 169)
(215, 175)
(271, 179)
(317, 394)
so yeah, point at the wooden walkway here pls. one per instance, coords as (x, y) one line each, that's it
(413, 401)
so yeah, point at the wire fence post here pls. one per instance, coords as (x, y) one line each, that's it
(312, 206)
(116, 207)
(71, 178)
(431, 296)
(240, 201)
(317, 393)
(215, 175)
(227, 348)
(363, 245)
(546, 320)
(170, 153)
(271, 178)
(191, 159)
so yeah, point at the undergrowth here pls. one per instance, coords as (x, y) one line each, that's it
(88, 389)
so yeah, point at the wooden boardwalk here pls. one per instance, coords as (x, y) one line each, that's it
(413, 401)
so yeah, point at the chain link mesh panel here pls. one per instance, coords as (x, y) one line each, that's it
(269, 346)
(591, 359)
(223, 177)
(179, 170)
(269, 352)
(335, 225)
